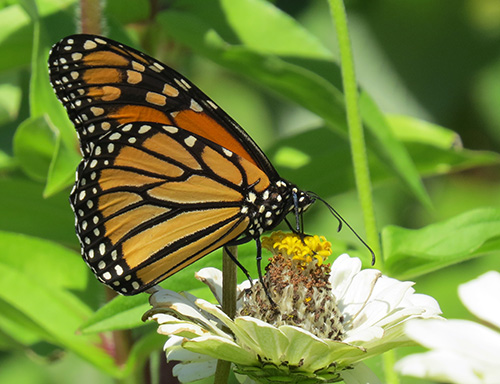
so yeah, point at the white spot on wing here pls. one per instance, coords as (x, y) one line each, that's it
(190, 141)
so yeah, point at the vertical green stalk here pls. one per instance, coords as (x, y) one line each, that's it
(229, 281)
(358, 150)
(356, 135)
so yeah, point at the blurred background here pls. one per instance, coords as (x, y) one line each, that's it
(436, 61)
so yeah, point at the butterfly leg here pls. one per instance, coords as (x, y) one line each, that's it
(259, 269)
(240, 266)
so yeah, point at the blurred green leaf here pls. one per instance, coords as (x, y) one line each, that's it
(322, 151)
(43, 101)
(15, 37)
(24, 210)
(43, 261)
(16, 329)
(16, 34)
(390, 149)
(10, 98)
(277, 32)
(6, 162)
(120, 313)
(410, 129)
(128, 11)
(34, 144)
(56, 313)
(62, 168)
(413, 252)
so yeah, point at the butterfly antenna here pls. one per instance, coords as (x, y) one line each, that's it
(342, 221)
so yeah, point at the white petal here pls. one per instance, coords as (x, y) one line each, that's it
(185, 356)
(462, 337)
(162, 318)
(358, 294)
(170, 301)
(304, 348)
(365, 334)
(361, 374)
(213, 278)
(344, 268)
(272, 343)
(482, 295)
(428, 303)
(221, 348)
(187, 373)
(173, 341)
(443, 366)
(183, 329)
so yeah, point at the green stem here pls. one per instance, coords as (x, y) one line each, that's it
(229, 281)
(358, 149)
(389, 359)
(356, 135)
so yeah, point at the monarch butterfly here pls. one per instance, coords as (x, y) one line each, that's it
(166, 176)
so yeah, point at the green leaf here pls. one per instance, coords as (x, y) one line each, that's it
(24, 210)
(62, 168)
(277, 32)
(34, 144)
(302, 158)
(120, 313)
(15, 37)
(16, 329)
(392, 150)
(43, 261)
(410, 129)
(10, 97)
(55, 313)
(413, 252)
(7, 162)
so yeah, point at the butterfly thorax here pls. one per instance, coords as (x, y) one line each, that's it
(267, 209)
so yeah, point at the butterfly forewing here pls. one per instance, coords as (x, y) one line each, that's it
(104, 84)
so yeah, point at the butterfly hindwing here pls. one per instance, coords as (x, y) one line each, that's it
(144, 212)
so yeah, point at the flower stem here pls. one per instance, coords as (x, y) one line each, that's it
(229, 282)
(356, 136)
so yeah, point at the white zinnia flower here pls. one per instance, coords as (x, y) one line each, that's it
(462, 352)
(324, 324)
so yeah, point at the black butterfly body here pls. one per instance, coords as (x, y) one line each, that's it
(166, 176)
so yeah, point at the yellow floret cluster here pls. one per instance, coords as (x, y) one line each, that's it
(303, 249)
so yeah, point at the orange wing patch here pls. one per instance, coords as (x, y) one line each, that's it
(203, 125)
(111, 203)
(187, 255)
(140, 247)
(119, 226)
(102, 75)
(133, 157)
(130, 113)
(196, 189)
(108, 58)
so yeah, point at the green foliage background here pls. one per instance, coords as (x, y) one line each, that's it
(429, 75)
